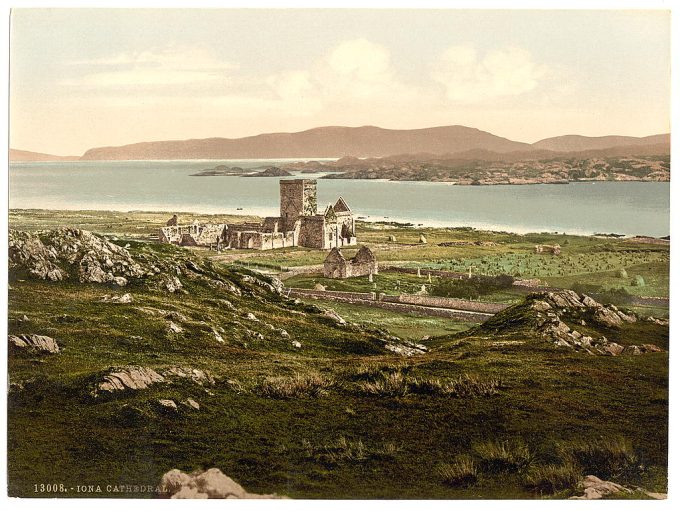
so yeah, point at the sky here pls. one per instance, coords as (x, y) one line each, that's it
(83, 78)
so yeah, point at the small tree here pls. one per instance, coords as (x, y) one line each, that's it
(623, 273)
(638, 281)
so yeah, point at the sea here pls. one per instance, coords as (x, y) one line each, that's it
(628, 208)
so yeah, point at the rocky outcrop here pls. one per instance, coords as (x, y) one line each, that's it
(126, 298)
(335, 317)
(55, 255)
(133, 378)
(406, 348)
(546, 315)
(28, 253)
(33, 343)
(595, 488)
(126, 379)
(197, 376)
(211, 484)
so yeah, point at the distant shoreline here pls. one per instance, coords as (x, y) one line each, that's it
(387, 223)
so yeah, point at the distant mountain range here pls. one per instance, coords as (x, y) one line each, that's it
(369, 141)
(19, 155)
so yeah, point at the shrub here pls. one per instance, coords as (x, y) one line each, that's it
(604, 457)
(552, 478)
(463, 386)
(396, 384)
(623, 273)
(471, 288)
(372, 370)
(503, 456)
(307, 385)
(461, 473)
(615, 295)
(345, 450)
(386, 384)
(638, 281)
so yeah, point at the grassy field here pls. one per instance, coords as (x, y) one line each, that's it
(583, 259)
(340, 417)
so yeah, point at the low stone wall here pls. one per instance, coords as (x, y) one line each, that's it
(475, 317)
(424, 272)
(331, 294)
(369, 299)
(448, 303)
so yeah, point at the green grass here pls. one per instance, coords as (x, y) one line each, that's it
(408, 326)
(295, 421)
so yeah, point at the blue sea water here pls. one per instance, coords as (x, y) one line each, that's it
(629, 208)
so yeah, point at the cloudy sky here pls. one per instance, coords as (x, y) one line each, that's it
(85, 78)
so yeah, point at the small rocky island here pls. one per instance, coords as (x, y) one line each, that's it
(224, 170)
(270, 172)
(221, 170)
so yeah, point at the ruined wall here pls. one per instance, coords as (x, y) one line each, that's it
(335, 269)
(312, 232)
(360, 269)
(448, 303)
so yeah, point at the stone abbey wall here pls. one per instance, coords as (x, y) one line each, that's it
(300, 224)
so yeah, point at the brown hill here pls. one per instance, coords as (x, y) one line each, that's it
(19, 155)
(333, 141)
(571, 143)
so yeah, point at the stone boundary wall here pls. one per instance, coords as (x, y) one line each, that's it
(425, 271)
(330, 294)
(431, 311)
(368, 300)
(448, 303)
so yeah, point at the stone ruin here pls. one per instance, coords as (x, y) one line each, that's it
(299, 224)
(336, 266)
(548, 249)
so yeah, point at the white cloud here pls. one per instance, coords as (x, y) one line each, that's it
(468, 77)
(159, 67)
(360, 58)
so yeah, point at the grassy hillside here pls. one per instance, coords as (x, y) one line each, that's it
(338, 417)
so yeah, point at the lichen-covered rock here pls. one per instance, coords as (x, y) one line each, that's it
(198, 376)
(545, 315)
(190, 403)
(56, 254)
(595, 488)
(168, 405)
(27, 252)
(607, 317)
(33, 343)
(126, 379)
(211, 484)
(169, 283)
(126, 298)
(334, 316)
(405, 348)
(174, 328)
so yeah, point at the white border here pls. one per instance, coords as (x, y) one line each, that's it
(106, 504)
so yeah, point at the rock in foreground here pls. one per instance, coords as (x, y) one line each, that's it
(545, 316)
(211, 484)
(33, 343)
(57, 254)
